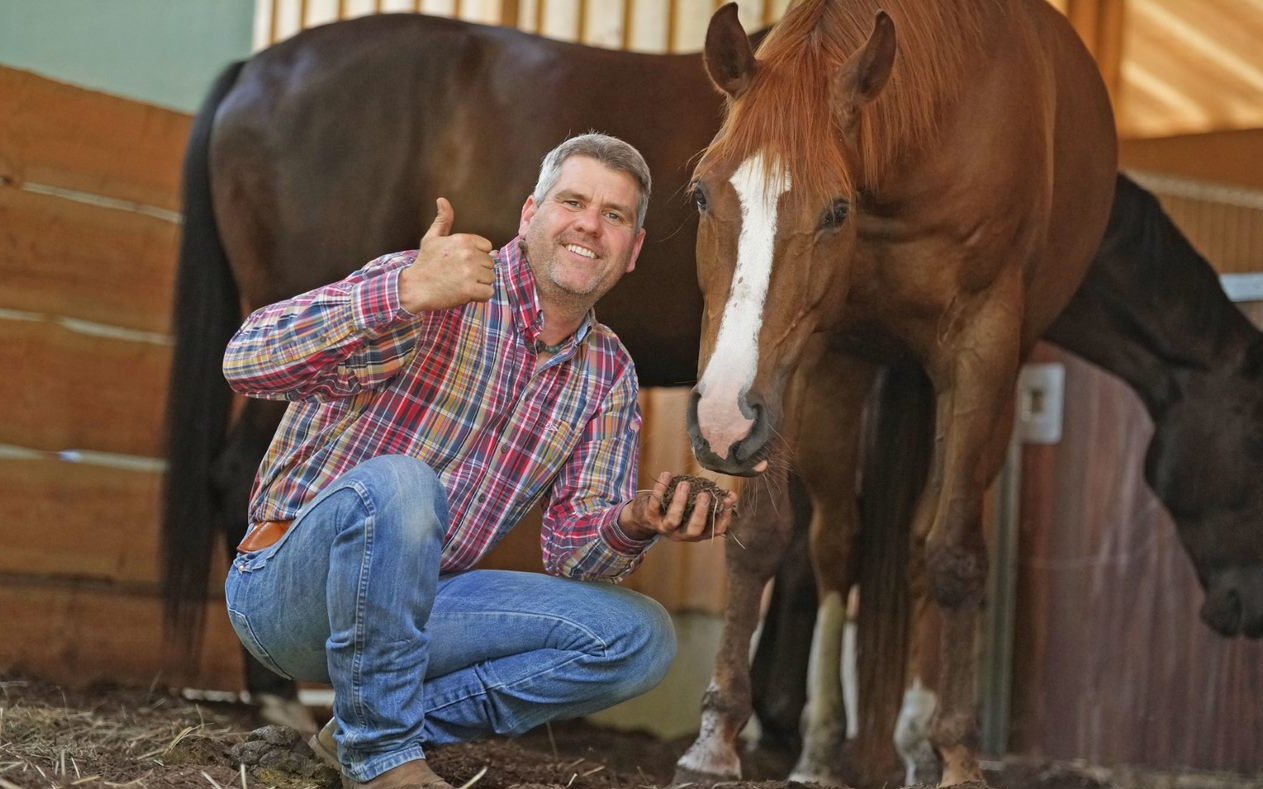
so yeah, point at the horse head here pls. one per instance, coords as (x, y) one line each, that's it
(775, 191)
(1204, 463)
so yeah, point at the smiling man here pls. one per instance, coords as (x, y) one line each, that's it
(436, 396)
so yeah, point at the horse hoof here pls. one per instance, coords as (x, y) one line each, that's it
(685, 777)
(819, 778)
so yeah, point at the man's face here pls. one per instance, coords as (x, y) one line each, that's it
(582, 238)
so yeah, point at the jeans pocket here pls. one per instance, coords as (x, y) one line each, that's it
(241, 625)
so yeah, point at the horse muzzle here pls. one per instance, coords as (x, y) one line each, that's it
(1234, 603)
(746, 447)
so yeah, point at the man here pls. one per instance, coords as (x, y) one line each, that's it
(437, 396)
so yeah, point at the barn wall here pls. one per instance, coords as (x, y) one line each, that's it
(88, 229)
(1112, 663)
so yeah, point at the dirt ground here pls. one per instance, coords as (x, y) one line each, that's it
(137, 737)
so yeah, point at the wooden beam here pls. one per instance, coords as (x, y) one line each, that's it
(66, 137)
(76, 520)
(81, 390)
(76, 633)
(95, 263)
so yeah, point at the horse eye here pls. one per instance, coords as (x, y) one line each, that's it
(699, 198)
(836, 215)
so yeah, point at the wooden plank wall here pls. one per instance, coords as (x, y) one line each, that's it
(1112, 663)
(88, 229)
(88, 242)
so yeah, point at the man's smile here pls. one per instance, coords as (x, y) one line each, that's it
(581, 251)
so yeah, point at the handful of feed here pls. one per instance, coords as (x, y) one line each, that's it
(697, 485)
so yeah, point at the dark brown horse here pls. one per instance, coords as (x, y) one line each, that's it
(326, 150)
(859, 208)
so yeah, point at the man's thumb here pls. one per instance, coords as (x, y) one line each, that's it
(443, 220)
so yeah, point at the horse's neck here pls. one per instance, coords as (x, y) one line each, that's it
(1151, 307)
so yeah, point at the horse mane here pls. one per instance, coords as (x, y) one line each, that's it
(787, 111)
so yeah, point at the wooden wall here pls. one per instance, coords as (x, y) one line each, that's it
(88, 229)
(88, 241)
(1112, 663)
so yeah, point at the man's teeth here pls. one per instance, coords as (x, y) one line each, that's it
(578, 250)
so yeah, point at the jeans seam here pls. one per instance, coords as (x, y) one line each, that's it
(360, 636)
(485, 689)
(605, 648)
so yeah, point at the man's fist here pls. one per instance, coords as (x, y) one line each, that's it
(451, 270)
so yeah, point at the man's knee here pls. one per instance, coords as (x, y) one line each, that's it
(649, 645)
(404, 492)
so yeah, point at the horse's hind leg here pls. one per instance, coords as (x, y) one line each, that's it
(974, 375)
(827, 441)
(778, 675)
(757, 542)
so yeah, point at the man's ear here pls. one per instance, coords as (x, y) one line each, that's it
(528, 213)
(640, 242)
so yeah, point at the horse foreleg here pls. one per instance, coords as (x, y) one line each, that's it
(831, 398)
(754, 551)
(975, 378)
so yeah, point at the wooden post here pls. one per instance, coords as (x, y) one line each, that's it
(1101, 23)
(510, 12)
(629, 13)
(672, 12)
(276, 21)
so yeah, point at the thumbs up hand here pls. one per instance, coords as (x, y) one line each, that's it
(451, 270)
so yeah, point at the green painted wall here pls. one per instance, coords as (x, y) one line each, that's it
(163, 52)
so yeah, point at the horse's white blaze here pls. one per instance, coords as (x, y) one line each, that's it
(730, 371)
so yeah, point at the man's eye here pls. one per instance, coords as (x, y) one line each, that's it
(614, 216)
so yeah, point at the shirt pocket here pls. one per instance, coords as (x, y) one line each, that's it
(553, 442)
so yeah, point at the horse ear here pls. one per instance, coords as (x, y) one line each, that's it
(864, 73)
(729, 57)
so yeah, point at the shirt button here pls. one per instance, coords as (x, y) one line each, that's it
(482, 497)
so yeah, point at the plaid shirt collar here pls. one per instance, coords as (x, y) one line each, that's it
(523, 297)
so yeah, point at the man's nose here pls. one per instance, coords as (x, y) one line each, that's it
(589, 220)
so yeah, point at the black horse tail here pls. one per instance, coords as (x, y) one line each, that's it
(207, 312)
(898, 442)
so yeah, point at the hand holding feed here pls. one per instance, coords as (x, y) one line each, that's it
(666, 510)
(451, 270)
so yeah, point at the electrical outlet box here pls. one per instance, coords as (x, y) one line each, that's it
(1040, 397)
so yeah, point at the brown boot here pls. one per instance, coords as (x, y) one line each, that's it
(410, 775)
(323, 745)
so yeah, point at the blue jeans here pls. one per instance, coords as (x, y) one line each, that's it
(352, 596)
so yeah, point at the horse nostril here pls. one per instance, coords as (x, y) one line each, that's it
(1222, 610)
(749, 448)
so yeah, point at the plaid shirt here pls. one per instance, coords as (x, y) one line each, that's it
(459, 390)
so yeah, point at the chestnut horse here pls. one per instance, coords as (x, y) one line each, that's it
(935, 201)
(1151, 311)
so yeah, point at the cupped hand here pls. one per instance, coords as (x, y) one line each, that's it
(643, 517)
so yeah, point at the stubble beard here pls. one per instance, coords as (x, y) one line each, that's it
(550, 285)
